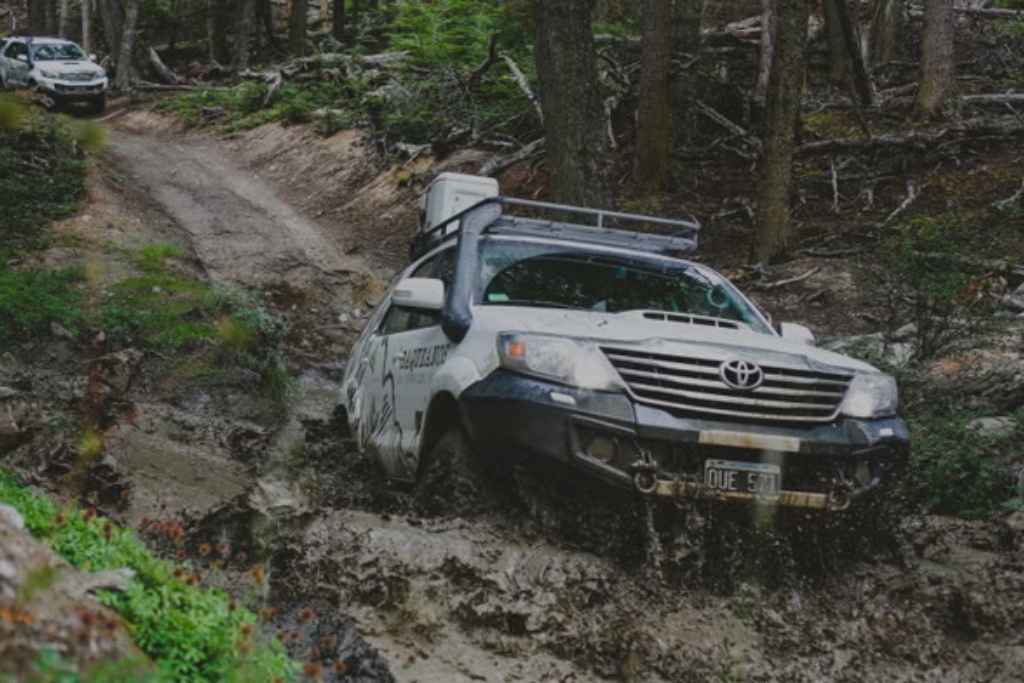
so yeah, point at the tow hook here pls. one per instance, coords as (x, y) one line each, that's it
(645, 481)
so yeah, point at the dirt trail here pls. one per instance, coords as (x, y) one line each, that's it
(500, 597)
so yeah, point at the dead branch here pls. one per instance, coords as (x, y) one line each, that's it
(1004, 98)
(736, 130)
(523, 84)
(162, 69)
(1016, 197)
(987, 265)
(911, 196)
(992, 13)
(788, 281)
(148, 86)
(492, 58)
(273, 83)
(997, 127)
(500, 163)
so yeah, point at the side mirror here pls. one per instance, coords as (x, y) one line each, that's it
(92, 56)
(419, 293)
(797, 333)
(21, 57)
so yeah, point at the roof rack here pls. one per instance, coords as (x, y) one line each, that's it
(683, 239)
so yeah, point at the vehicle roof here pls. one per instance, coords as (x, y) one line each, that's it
(45, 40)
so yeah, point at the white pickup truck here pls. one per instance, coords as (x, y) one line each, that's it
(603, 352)
(57, 69)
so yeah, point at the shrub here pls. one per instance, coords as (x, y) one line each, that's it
(191, 633)
(957, 473)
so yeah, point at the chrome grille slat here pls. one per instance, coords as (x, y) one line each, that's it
(693, 385)
(717, 385)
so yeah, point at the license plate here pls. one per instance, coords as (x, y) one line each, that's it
(762, 480)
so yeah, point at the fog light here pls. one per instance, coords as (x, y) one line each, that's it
(602, 448)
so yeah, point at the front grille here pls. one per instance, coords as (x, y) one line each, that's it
(694, 386)
(79, 77)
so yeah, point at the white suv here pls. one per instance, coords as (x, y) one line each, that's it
(58, 69)
(604, 353)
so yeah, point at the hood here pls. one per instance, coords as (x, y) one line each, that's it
(70, 67)
(668, 337)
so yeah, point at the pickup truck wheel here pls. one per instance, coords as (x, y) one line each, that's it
(452, 481)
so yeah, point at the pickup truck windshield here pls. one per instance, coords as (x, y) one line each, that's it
(557, 276)
(58, 52)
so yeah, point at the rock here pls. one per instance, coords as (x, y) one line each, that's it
(11, 517)
(1014, 301)
(117, 370)
(905, 333)
(993, 427)
(60, 332)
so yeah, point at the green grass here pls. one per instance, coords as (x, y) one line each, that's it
(42, 174)
(30, 300)
(50, 667)
(191, 633)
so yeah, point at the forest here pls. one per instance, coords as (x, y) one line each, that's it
(183, 277)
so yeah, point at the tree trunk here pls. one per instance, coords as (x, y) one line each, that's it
(125, 61)
(216, 31)
(243, 34)
(36, 17)
(686, 21)
(62, 18)
(855, 52)
(936, 79)
(573, 112)
(87, 26)
(769, 18)
(882, 35)
(338, 21)
(113, 24)
(297, 28)
(265, 16)
(654, 115)
(783, 97)
(838, 57)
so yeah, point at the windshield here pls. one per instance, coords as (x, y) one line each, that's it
(552, 275)
(53, 52)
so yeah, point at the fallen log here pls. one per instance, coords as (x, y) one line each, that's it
(992, 13)
(523, 84)
(991, 127)
(162, 69)
(499, 164)
(1004, 98)
(733, 128)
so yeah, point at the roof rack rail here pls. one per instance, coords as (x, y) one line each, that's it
(684, 238)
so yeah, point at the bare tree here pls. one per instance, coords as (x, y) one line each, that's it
(573, 113)
(845, 46)
(87, 26)
(297, 27)
(838, 56)
(243, 35)
(936, 81)
(125, 59)
(338, 21)
(36, 17)
(783, 97)
(112, 19)
(769, 18)
(885, 20)
(686, 20)
(654, 115)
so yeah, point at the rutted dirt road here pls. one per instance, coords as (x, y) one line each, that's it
(503, 597)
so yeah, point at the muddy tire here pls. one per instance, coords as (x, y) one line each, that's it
(452, 481)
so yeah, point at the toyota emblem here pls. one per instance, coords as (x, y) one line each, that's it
(740, 374)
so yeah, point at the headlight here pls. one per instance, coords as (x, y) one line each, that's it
(557, 358)
(871, 395)
(49, 74)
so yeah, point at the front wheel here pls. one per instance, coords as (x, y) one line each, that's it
(451, 481)
(99, 104)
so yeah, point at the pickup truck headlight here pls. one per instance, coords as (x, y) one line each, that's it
(557, 358)
(871, 395)
(48, 74)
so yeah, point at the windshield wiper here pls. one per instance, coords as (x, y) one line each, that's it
(531, 302)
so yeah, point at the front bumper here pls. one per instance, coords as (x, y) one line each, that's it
(73, 90)
(662, 454)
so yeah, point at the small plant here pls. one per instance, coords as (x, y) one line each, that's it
(152, 257)
(30, 300)
(190, 632)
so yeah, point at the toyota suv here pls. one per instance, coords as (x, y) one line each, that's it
(57, 69)
(607, 354)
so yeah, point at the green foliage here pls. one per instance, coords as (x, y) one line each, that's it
(31, 299)
(42, 175)
(454, 33)
(192, 634)
(152, 256)
(954, 472)
(926, 282)
(50, 667)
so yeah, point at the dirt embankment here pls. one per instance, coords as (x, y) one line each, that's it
(320, 227)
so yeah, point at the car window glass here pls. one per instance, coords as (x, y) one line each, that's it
(400, 319)
(58, 51)
(14, 49)
(426, 269)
